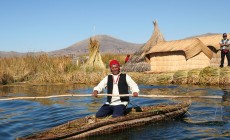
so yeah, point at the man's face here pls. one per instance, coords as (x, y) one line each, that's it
(115, 69)
(224, 36)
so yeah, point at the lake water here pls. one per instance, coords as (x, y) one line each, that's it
(206, 119)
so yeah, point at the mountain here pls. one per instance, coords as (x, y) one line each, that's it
(10, 54)
(108, 44)
(207, 34)
(13, 54)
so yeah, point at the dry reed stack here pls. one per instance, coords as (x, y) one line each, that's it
(138, 62)
(94, 61)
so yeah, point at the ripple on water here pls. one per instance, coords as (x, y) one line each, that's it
(206, 118)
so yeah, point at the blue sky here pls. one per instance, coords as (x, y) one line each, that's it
(47, 25)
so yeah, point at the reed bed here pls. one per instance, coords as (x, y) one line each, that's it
(46, 69)
(107, 57)
(39, 69)
(43, 69)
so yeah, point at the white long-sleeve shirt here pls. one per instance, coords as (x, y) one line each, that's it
(133, 87)
(224, 41)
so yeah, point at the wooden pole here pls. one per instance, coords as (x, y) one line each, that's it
(121, 95)
(163, 96)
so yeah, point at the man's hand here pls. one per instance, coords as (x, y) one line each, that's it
(135, 94)
(95, 92)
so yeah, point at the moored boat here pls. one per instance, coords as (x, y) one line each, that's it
(91, 126)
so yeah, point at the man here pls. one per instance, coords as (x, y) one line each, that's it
(117, 84)
(224, 44)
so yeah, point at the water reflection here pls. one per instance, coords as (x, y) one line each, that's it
(39, 90)
(226, 96)
(36, 90)
(226, 103)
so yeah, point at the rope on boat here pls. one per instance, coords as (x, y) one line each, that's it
(87, 95)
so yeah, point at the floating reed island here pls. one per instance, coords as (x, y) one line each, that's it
(212, 76)
(44, 69)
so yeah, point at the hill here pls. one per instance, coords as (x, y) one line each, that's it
(108, 44)
(207, 34)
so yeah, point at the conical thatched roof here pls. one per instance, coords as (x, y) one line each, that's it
(94, 61)
(139, 62)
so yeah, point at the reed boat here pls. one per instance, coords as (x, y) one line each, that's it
(92, 126)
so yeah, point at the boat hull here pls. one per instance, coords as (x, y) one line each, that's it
(91, 126)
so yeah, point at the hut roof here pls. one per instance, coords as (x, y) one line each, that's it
(190, 47)
(212, 40)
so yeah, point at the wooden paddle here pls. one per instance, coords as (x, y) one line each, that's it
(87, 95)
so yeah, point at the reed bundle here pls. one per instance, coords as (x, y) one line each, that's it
(139, 62)
(94, 61)
(225, 76)
(180, 77)
(209, 76)
(193, 76)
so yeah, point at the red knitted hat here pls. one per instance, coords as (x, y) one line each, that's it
(114, 62)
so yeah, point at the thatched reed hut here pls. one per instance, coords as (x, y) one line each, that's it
(187, 54)
(139, 62)
(94, 61)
